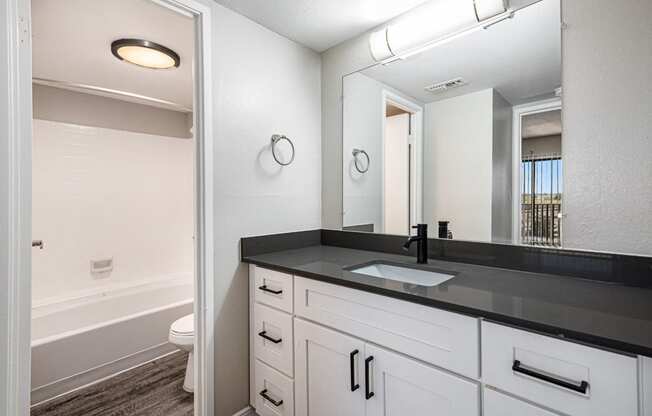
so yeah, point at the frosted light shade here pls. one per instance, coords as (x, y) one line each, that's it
(431, 21)
(487, 9)
(378, 45)
(142, 56)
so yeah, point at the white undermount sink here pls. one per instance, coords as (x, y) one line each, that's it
(415, 276)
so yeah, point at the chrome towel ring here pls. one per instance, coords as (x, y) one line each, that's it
(277, 138)
(356, 160)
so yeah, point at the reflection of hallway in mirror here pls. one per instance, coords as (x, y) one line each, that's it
(396, 186)
(541, 185)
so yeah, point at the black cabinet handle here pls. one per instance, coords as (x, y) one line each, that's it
(354, 386)
(276, 403)
(367, 383)
(268, 338)
(580, 388)
(264, 288)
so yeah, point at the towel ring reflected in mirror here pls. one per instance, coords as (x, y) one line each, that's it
(356, 160)
(277, 138)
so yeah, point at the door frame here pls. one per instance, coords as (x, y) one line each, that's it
(416, 111)
(518, 113)
(16, 200)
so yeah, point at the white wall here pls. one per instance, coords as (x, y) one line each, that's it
(57, 104)
(101, 193)
(264, 84)
(458, 165)
(363, 126)
(607, 125)
(501, 188)
(338, 61)
(363, 129)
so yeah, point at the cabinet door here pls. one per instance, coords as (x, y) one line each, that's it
(402, 386)
(327, 372)
(498, 404)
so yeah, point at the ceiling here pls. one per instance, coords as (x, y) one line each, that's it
(72, 39)
(519, 57)
(320, 24)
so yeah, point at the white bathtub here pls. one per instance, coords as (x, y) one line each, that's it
(82, 340)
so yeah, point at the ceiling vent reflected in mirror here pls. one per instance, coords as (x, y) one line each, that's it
(442, 87)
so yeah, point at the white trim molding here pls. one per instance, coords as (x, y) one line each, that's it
(15, 197)
(518, 113)
(645, 385)
(204, 223)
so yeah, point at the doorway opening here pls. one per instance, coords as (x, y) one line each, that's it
(112, 207)
(402, 170)
(540, 176)
(20, 207)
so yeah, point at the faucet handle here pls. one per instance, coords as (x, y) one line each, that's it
(422, 229)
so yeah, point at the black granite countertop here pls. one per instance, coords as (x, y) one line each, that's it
(607, 315)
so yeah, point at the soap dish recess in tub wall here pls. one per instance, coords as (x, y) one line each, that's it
(102, 266)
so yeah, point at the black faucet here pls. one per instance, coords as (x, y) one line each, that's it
(422, 243)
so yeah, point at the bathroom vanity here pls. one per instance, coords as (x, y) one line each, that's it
(329, 340)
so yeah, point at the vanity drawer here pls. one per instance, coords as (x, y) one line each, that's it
(550, 372)
(498, 404)
(273, 288)
(274, 392)
(273, 338)
(445, 339)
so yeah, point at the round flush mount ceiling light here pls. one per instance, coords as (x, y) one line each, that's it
(145, 53)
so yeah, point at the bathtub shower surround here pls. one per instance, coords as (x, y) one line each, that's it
(115, 212)
(104, 194)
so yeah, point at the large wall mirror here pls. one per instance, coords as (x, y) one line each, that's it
(465, 136)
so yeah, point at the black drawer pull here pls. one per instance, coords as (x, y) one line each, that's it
(276, 403)
(268, 338)
(367, 382)
(264, 288)
(580, 388)
(354, 386)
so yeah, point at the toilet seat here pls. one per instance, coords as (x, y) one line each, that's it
(182, 335)
(183, 327)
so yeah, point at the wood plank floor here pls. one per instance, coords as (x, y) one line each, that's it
(153, 389)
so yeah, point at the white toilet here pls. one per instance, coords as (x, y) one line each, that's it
(182, 334)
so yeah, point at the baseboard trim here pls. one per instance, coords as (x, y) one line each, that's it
(247, 411)
(95, 375)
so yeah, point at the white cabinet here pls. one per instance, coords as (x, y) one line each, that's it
(403, 386)
(319, 349)
(340, 375)
(273, 288)
(274, 392)
(445, 339)
(570, 378)
(327, 376)
(273, 338)
(271, 342)
(498, 404)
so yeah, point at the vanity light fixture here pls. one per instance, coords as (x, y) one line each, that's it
(432, 22)
(145, 53)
